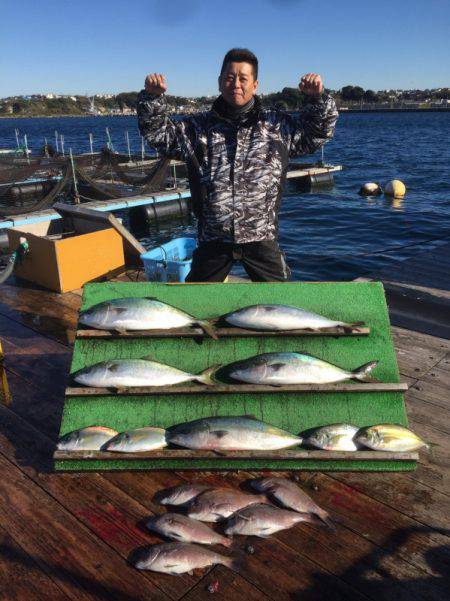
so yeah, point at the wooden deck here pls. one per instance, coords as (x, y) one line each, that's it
(68, 536)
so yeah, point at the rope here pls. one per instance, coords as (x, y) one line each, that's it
(378, 252)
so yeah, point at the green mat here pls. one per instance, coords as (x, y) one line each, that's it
(347, 301)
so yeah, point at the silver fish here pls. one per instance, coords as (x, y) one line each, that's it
(138, 440)
(123, 373)
(293, 368)
(179, 558)
(179, 495)
(124, 314)
(390, 437)
(186, 530)
(218, 503)
(231, 434)
(334, 437)
(289, 495)
(282, 318)
(263, 520)
(91, 438)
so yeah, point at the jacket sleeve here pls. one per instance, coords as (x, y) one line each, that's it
(175, 139)
(314, 125)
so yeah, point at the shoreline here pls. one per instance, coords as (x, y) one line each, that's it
(341, 111)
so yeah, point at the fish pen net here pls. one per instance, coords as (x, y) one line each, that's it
(28, 185)
(110, 175)
(31, 184)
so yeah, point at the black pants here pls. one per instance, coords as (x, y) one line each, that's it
(263, 261)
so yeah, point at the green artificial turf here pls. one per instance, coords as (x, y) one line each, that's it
(347, 301)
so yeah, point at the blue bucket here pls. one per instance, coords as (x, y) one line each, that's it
(170, 262)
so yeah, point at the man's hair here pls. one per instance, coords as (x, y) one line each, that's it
(240, 55)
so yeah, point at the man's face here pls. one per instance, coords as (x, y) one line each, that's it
(237, 83)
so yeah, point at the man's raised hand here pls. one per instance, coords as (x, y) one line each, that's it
(155, 83)
(311, 83)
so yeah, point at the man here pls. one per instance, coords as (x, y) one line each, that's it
(237, 156)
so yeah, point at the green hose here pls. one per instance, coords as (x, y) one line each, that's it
(15, 259)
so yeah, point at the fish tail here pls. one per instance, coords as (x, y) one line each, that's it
(206, 376)
(207, 328)
(232, 563)
(226, 542)
(324, 517)
(362, 373)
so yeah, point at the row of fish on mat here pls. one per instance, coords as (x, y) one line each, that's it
(274, 369)
(271, 369)
(241, 433)
(280, 505)
(134, 314)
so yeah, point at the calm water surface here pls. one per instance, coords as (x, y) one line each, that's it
(333, 234)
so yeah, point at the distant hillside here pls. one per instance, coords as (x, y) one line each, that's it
(288, 99)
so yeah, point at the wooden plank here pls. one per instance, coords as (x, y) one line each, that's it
(21, 577)
(428, 413)
(221, 332)
(62, 546)
(49, 313)
(431, 391)
(236, 388)
(225, 585)
(108, 512)
(407, 339)
(345, 553)
(236, 455)
(78, 212)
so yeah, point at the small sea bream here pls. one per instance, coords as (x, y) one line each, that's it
(232, 433)
(390, 437)
(186, 530)
(334, 437)
(180, 495)
(178, 558)
(278, 369)
(127, 373)
(138, 440)
(123, 314)
(282, 318)
(91, 438)
(289, 495)
(219, 503)
(263, 520)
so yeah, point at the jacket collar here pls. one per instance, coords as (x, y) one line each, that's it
(219, 110)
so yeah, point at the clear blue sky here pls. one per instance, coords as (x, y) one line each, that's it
(97, 46)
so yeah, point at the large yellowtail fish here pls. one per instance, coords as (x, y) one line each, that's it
(282, 318)
(277, 369)
(122, 314)
(124, 373)
(232, 433)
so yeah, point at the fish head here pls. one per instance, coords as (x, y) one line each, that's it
(198, 430)
(253, 372)
(146, 557)
(69, 442)
(320, 439)
(94, 316)
(370, 437)
(118, 443)
(92, 373)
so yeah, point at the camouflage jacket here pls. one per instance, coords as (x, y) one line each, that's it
(236, 169)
